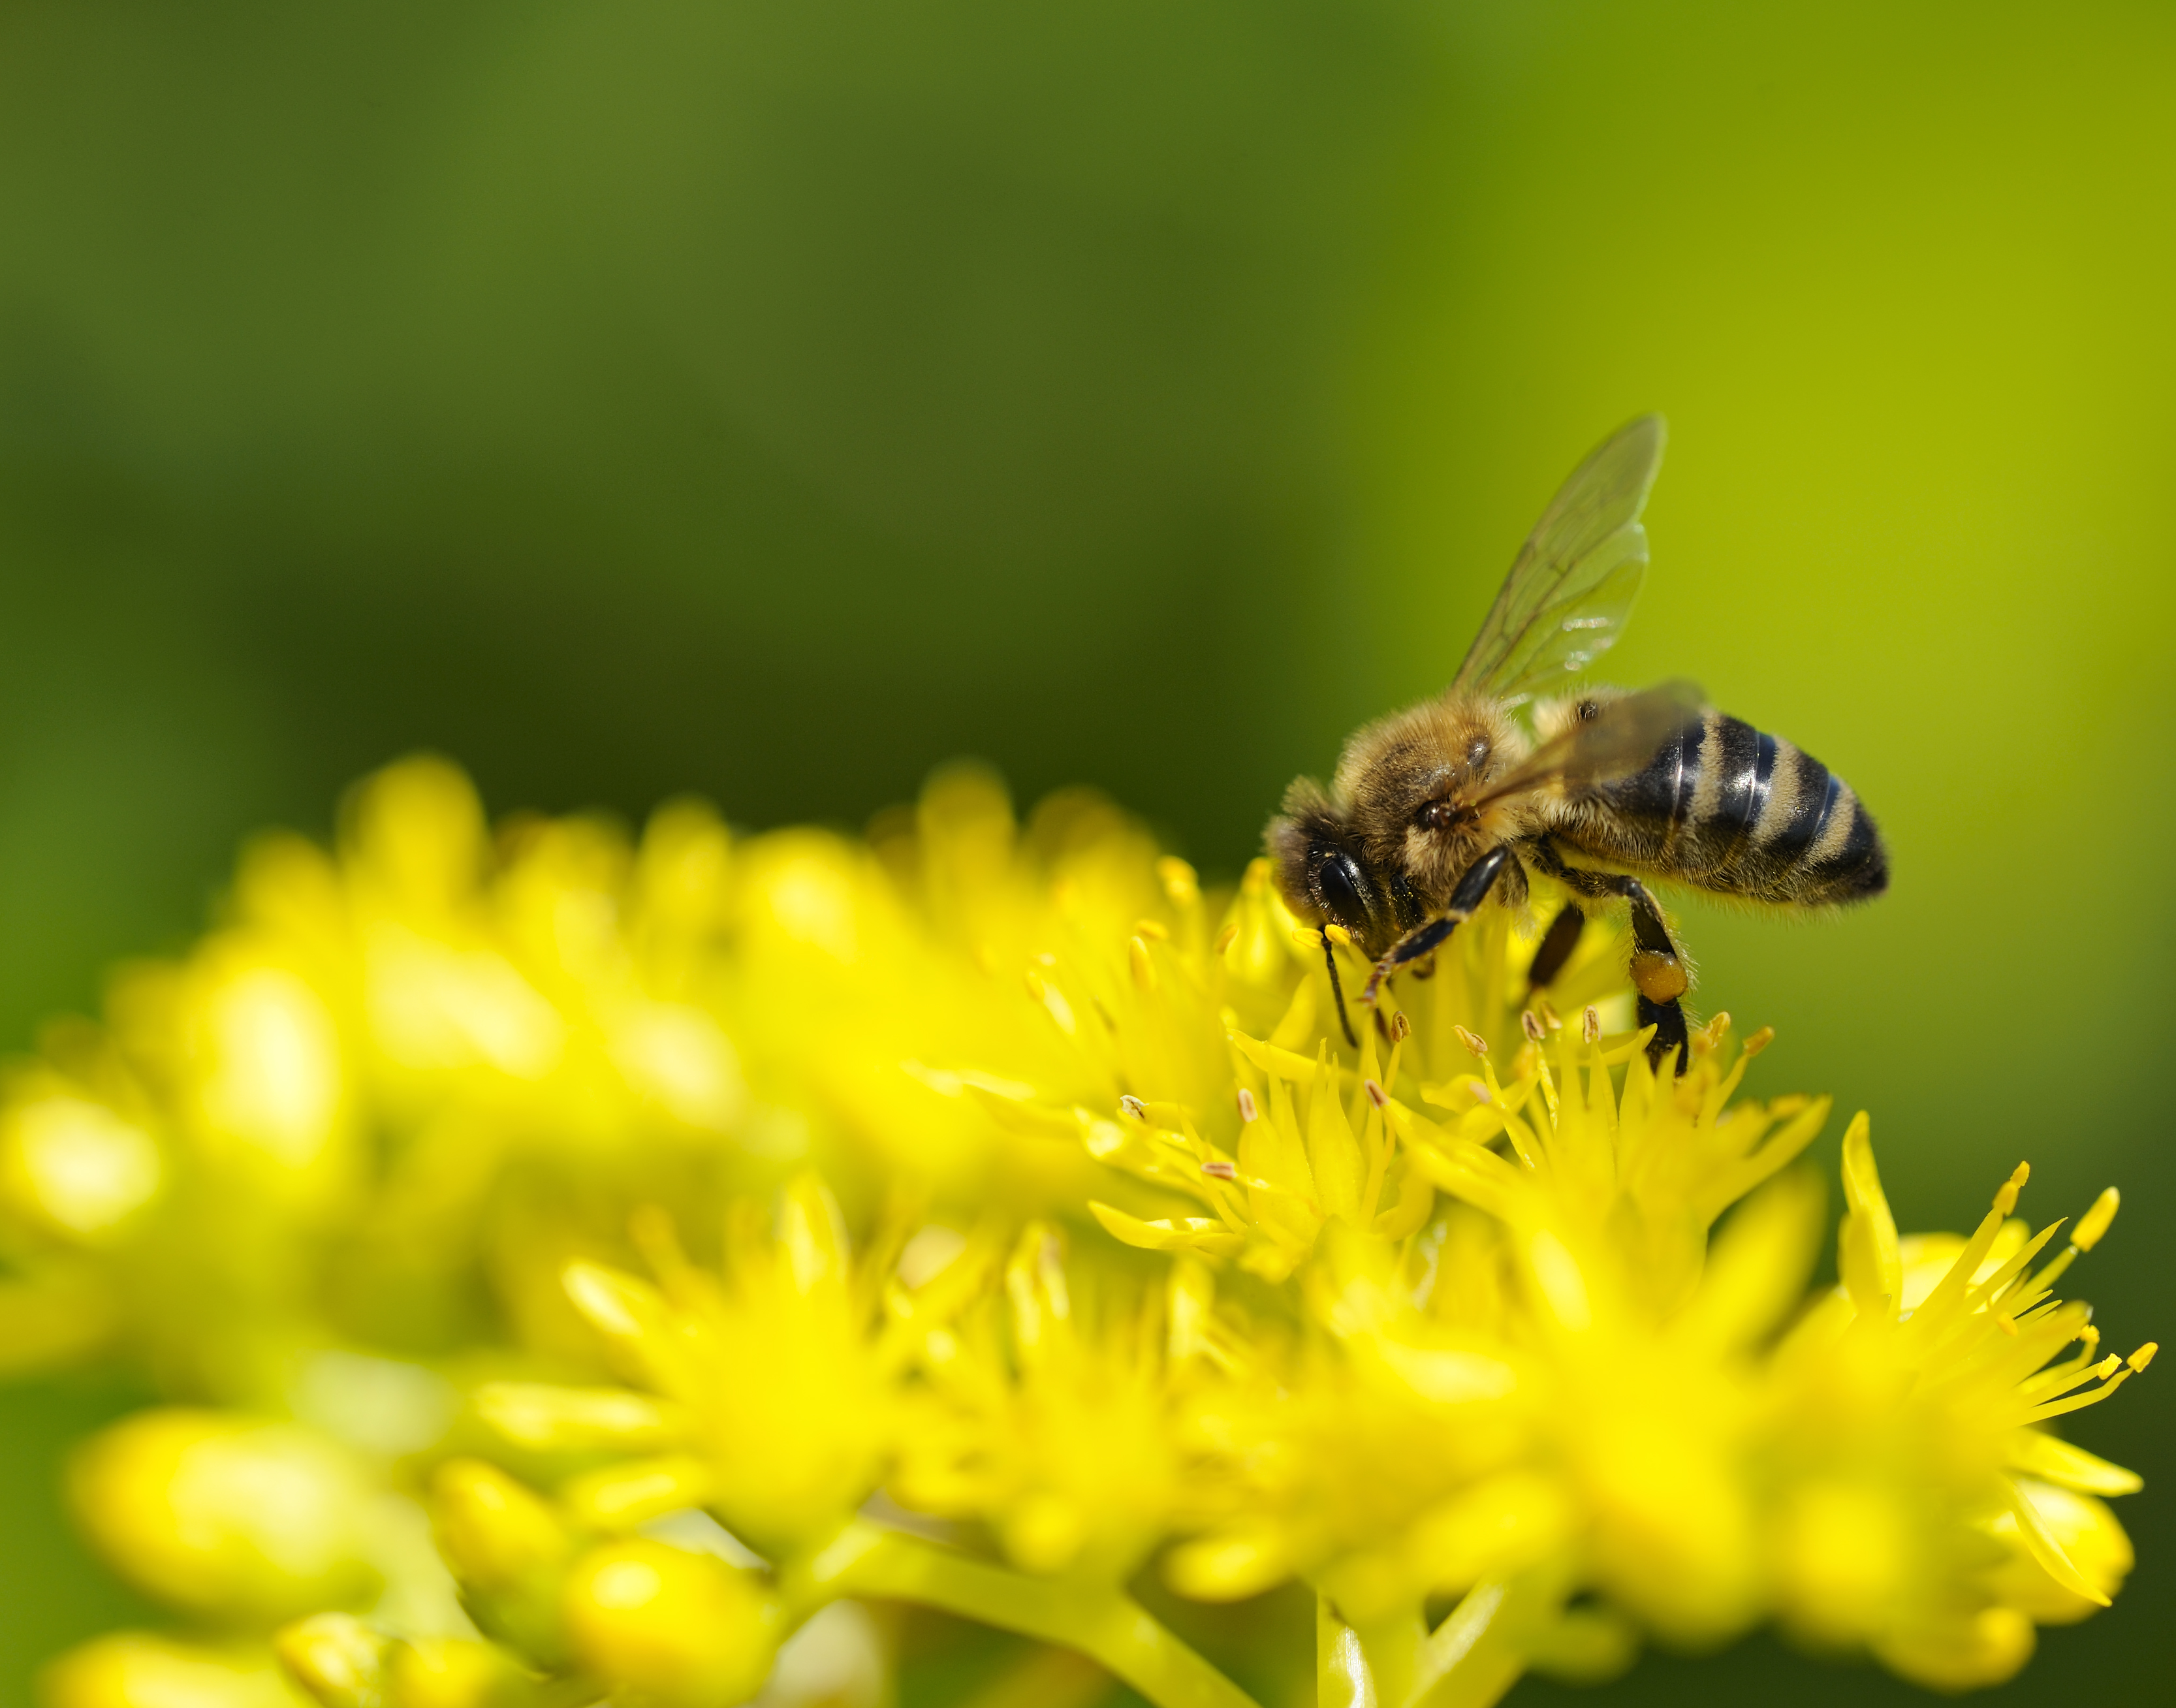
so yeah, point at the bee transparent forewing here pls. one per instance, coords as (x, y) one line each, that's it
(1621, 739)
(1567, 597)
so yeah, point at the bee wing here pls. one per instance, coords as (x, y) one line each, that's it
(1623, 738)
(1567, 597)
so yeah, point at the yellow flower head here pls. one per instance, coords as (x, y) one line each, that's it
(774, 1383)
(1473, 1305)
(1927, 1513)
(1046, 1413)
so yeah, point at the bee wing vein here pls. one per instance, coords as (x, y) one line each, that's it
(1572, 588)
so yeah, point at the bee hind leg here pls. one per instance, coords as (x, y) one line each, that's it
(1425, 939)
(1658, 970)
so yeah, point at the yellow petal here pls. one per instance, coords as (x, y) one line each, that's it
(554, 1419)
(1200, 1233)
(620, 1497)
(2059, 1461)
(1872, 1271)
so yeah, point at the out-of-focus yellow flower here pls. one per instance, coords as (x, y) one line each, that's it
(1052, 1425)
(778, 1371)
(1928, 1516)
(660, 1625)
(133, 1670)
(72, 1166)
(775, 1384)
(229, 1516)
(346, 1663)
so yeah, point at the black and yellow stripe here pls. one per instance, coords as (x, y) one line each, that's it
(1731, 808)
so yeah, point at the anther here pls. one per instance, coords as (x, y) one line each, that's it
(2006, 1201)
(1590, 1024)
(1716, 1028)
(1144, 969)
(1224, 939)
(1220, 1171)
(2144, 1356)
(1248, 1110)
(1759, 1041)
(1339, 935)
(1152, 930)
(1548, 1014)
(1402, 1028)
(1180, 882)
(1475, 1043)
(1133, 1106)
(1376, 1095)
(2095, 1222)
(1530, 1023)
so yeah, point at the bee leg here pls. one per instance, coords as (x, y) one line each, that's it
(1558, 942)
(1427, 937)
(1672, 1034)
(1337, 991)
(1658, 970)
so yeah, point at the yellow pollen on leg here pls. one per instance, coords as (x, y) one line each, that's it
(1661, 978)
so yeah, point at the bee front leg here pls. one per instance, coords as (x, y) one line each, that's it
(1658, 970)
(1471, 890)
(1337, 990)
(1558, 942)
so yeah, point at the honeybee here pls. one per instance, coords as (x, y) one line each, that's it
(1438, 810)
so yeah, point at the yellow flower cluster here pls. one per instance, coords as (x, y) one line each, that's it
(583, 1267)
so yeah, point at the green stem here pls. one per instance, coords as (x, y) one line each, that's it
(1469, 1660)
(1103, 1623)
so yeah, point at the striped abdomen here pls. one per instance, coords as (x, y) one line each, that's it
(1730, 809)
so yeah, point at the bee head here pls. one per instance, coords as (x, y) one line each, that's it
(1321, 871)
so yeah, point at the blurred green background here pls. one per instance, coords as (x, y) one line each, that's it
(773, 398)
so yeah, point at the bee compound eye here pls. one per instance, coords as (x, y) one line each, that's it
(1343, 891)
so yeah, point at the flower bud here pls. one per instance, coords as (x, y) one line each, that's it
(493, 1532)
(131, 1669)
(337, 1658)
(453, 1673)
(73, 1168)
(346, 1663)
(667, 1629)
(509, 1551)
(226, 1516)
